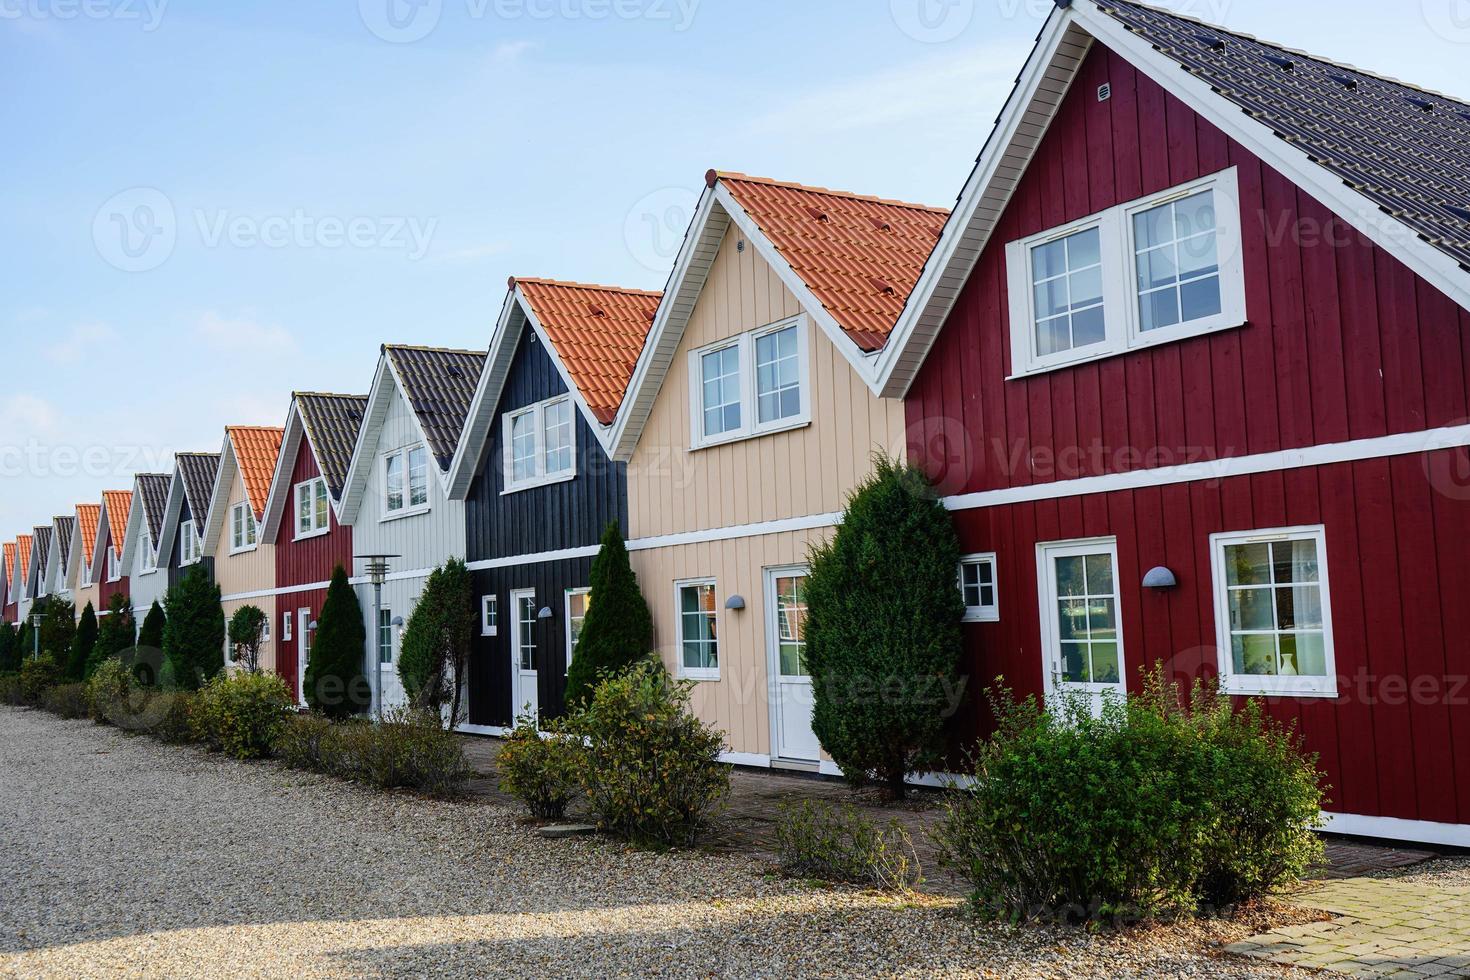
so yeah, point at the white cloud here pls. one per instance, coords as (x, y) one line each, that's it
(79, 341)
(508, 52)
(28, 416)
(241, 334)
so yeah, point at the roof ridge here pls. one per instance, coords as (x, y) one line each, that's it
(571, 284)
(324, 394)
(196, 453)
(1106, 5)
(256, 428)
(716, 175)
(434, 350)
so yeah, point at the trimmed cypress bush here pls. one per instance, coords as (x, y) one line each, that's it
(883, 629)
(247, 633)
(58, 629)
(10, 650)
(335, 683)
(82, 644)
(146, 658)
(194, 634)
(151, 633)
(114, 633)
(436, 642)
(24, 642)
(618, 630)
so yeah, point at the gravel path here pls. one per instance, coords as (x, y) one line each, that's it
(121, 857)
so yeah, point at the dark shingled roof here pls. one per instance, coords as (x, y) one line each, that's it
(41, 547)
(64, 528)
(1403, 148)
(439, 384)
(331, 423)
(153, 491)
(197, 471)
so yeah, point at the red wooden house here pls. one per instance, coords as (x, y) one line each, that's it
(1190, 364)
(8, 605)
(301, 519)
(107, 568)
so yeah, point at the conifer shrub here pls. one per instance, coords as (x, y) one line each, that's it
(883, 629)
(10, 690)
(10, 649)
(58, 630)
(82, 644)
(433, 663)
(193, 633)
(335, 683)
(618, 629)
(115, 633)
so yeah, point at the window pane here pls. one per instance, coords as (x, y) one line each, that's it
(1303, 655)
(721, 390)
(1083, 249)
(1100, 574)
(791, 625)
(1105, 663)
(1070, 577)
(1176, 262)
(1087, 327)
(1250, 609)
(1200, 298)
(1066, 280)
(557, 418)
(777, 371)
(1197, 257)
(1247, 564)
(1195, 214)
(1158, 310)
(1053, 336)
(385, 636)
(303, 508)
(523, 446)
(1102, 619)
(525, 624)
(418, 477)
(1049, 260)
(1072, 619)
(1074, 662)
(697, 626)
(321, 504)
(1253, 654)
(393, 480)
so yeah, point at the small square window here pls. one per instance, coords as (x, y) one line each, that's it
(540, 444)
(405, 482)
(242, 527)
(978, 588)
(749, 385)
(286, 626)
(312, 508)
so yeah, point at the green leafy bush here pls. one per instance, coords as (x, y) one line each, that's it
(335, 684)
(36, 676)
(247, 633)
(883, 629)
(111, 690)
(10, 690)
(618, 629)
(651, 771)
(1134, 814)
(409, 750)
(814, 839)
(241, 714)
(303, 741)
(67, 701)
(169, 716)
(541, 772)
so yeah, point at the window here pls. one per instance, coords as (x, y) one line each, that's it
(385, 636)
(189, 548)
(578, 601)
(406, 481)
(113, 572)
(1154, 270)
(540, 444)
(242, 528)
(977, 586)
(489, 615)
(265, 630)
(304, 660)
(750, 385)
(699, 647)
(286, 627)
(790, 593)
(147, 558)
(312, 509)
(526, 630)
(1272, 616)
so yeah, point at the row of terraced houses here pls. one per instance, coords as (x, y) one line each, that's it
(1187, 362)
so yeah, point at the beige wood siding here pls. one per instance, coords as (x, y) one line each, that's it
(249, 571)
(786, 474)
(83, 595)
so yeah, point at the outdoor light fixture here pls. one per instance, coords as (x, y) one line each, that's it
(1159, 577)
(377, 571)
(36, 620)
(311, 626)
(735, 602)
(545, 613)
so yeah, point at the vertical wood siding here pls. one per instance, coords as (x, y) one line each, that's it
(789, 474)
(249, 571)
(177, 571)
(1342, 341)
(105, 589)
(572, 514)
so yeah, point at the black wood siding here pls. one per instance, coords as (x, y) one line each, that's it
(490, 662)
(572, 514)
(175, 572)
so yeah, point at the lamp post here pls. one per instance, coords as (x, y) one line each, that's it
(36, 620)
(377, 571)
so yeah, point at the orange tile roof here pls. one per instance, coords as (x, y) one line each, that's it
(859, 255)
(256, 449)
(118, 502)
(23, 546)
(598, 332)
(9, 566)
(87, 517)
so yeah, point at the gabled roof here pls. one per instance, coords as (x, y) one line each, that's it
(86, 533)
(851, 260)
(9, 550)
(23, 564)
(41, 543)
(327, 425)
(438, 385)
(192, 481)
(117, 504)
(256, 448)
(62, 528)
(593, 335)
(1385, 157)
(150, 500)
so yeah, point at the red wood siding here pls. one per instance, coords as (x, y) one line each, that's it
(305, 562)
(1396, 741)
(1342, 340)
(105, 589)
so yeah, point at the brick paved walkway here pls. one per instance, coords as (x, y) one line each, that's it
(1385, 928)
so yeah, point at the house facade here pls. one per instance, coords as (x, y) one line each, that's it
(8, 611)
(147, 575)
(301, 521)
(181, 541)
(749, 418)
(244, 566)
(58, 581)
(1196, 396)
(538, 485)
(19, 588)
(79, 564)
(107, 567)
(40, 553)
(395, 498)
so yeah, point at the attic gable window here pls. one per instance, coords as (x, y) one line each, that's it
(313, 514)
(189, 549)
(406, 481)
(540, 444)
(1159, 269)
(749, 385)
(242, 528)
(148, 559)
(114, 572)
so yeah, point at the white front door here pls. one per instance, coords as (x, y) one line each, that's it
(1081, 638)
(791, 685)
(303, 651)
(523, 654)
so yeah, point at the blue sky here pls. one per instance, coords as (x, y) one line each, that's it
(212, 203)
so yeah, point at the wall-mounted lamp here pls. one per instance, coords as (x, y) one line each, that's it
(545, 613)
(311, 626)
(396, 621)
(735, 602)
(1159, 577)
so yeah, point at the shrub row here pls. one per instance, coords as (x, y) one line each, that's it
(409, 750)
(821, 841)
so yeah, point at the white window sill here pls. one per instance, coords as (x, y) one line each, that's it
(981, 616)
(243, 551)
(1235, 687)
(540, 482)
(398, 515)
(1167, 335)
(312, 534)
(489, 632)
(699, 674)
(742, 435)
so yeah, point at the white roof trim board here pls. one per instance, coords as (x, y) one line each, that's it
(219, 501)
(136, 520)
(1043, 83)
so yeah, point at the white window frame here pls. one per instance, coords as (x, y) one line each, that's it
(490, 615)
(408, 509)
(1267, 684)
(265, 631)
(241, 546)
(385, 621)
(538, 413)
(567, 608)
(311, 487)
(1120, 295)
(749, 428)
(190, 549)
(114, 573)
(287, 630)
(147, 557)
(982, 613)
(695, 673)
